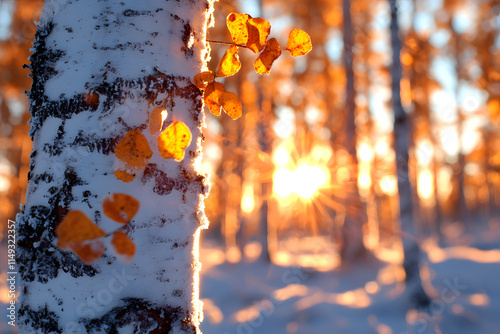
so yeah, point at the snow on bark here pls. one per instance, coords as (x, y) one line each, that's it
(412, 251)
(99, 68)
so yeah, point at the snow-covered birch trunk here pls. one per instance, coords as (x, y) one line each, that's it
(99, 68)
(412, 251)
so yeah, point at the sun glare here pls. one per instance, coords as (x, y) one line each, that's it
(305, 180)
(309, 179)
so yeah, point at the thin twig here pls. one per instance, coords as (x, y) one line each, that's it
(225, 43)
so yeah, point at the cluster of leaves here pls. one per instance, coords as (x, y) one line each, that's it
(133, 149)
(251, 33)
(79, 234)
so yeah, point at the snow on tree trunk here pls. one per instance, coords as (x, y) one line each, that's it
(412, 251)
(99, 68)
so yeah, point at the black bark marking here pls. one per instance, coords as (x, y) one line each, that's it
(58, 145)
(42, 69)
(143, 315)
(165, 184)
(94, 143)
(187, 35)
(131, 12)
(42, 319)
(44, 177)
(177, 293)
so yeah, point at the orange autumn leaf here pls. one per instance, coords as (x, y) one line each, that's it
(76, 227)
(237, 25)
(201, 80)
(258, 30)
(124, 176)
(231, 104)
(120, 207)
(173, 141)
(299, 43)
(91, 99)
(266, 59)
(230, 63)
(212, 97)
(88, 251)
(156, 119)
(134, 149)
(123, 245)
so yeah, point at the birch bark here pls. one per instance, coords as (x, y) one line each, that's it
(99, 67)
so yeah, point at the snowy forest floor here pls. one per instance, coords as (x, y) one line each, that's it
(262, 298)
(247, 298)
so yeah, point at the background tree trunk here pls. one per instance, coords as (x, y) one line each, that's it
(99, 68)
(352, 247)
(412, 251)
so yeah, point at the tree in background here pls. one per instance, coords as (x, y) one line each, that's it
(14, 81)
(102, 73)
(412, 251)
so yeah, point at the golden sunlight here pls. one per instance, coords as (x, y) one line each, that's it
(305, 180)
(309, 179)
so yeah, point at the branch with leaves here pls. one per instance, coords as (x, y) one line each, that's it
(251, 33)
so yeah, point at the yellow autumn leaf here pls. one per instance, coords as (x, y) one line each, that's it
(156, 119)
(120, 207)
(231, 104)
(212, 97)
(230, 63)
(173, 141)
(201, 80)
(266, 59)
(124, 176)
(258, 30)
(237, 25)
(134, 149)
(299, 43)
(76, 227)
(123, 245)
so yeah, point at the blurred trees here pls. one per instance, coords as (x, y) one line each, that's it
(337, 108)
(449, 96)
(17, 31)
